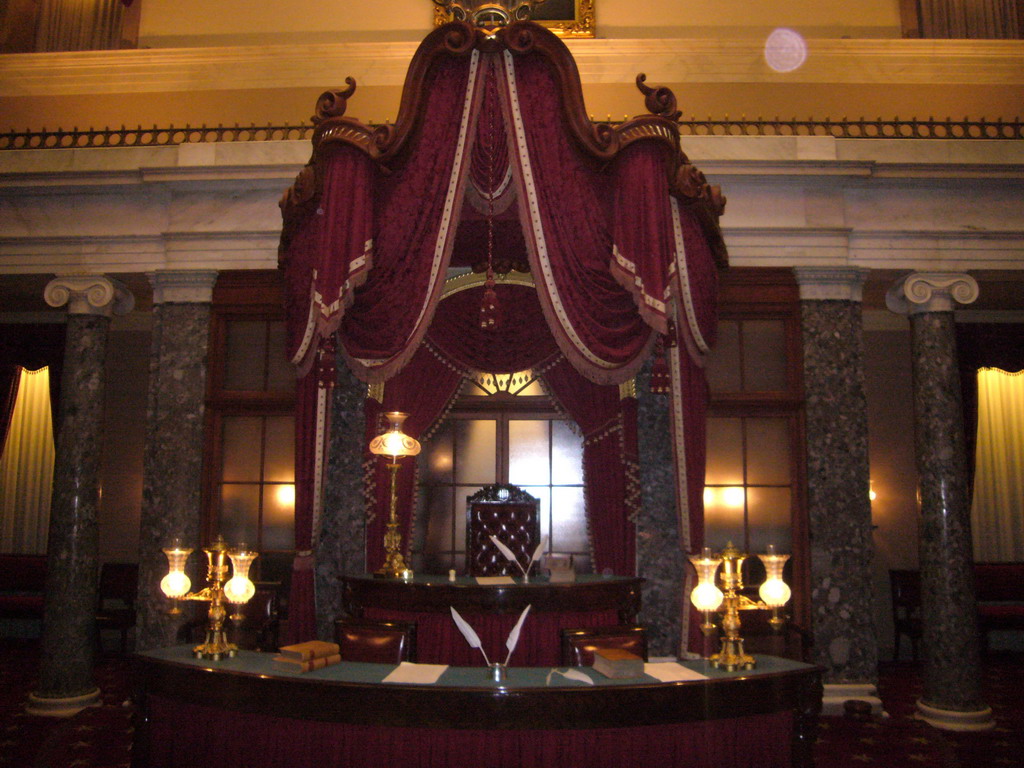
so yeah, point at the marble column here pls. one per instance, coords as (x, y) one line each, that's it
(172, 464)
(341, 546)
(951, 698)
(838, 484)
(659, 558)
(66, 683)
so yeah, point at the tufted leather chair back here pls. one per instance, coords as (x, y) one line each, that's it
(510, 514)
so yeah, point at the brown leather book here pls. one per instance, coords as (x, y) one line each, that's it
(617, 663)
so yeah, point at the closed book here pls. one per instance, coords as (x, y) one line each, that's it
(617, 663)
(309, 665)
(311, 649)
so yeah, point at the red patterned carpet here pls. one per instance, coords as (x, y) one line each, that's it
(100, 737)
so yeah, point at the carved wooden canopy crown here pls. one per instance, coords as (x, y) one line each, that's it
(489, 15)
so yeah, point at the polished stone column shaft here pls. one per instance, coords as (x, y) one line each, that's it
(66, 682)
(660, 559)
(341, 548)
(950, 646)
(839, 510)
(173, 460)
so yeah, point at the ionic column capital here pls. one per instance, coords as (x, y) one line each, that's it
(931, 292)
(831, 283)
(89, 295)
(183, 286)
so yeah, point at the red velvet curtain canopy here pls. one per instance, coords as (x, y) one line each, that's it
(619, 232)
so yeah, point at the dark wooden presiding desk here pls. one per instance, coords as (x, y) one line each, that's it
(248, 712)
(492, 611)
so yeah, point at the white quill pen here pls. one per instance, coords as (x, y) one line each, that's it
(539, 550)
(571, 674)
(509, 555)
(513, 636)
(471, 636)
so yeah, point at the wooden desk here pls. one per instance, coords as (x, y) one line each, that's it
(247, 713)
(492, 611)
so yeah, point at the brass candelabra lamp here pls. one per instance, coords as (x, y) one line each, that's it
(396, 444)
(219, 592)
(708, 598)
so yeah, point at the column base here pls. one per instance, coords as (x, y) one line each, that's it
(837, 694)
(61, 706)
(955, 720)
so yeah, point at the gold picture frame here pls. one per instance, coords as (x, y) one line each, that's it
(566, 18)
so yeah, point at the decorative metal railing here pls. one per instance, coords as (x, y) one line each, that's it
(841, 129)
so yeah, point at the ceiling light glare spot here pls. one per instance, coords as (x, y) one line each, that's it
(785, 50)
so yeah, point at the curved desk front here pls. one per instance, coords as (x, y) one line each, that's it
(492, 610)
(247, 712)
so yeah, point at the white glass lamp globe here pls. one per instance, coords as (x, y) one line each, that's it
(775, 593)
(239, 590)
(706, 597)
(175, 584)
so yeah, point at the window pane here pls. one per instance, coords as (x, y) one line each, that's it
(280, 372)
(279, 462)
(246, 354)
(723, 517)
(278, 516)
(528, 458)
(475, 451)
(723, 366)
(769, 519)
(239, 513)
(725, 452)
(569, 521)
(543, 493)
(437, 508)
(436, 462)
(241, 448)
(767, 451)
(566, 455)
(461, 494)
(764, 355)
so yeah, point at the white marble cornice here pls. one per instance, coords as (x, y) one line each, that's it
(181, 286)
(89, 295)
(831, 283)
(665, 61)
(931, 292)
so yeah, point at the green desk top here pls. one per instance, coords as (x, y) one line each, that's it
(263, 665)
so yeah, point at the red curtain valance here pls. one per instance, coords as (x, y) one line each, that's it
(619, 231)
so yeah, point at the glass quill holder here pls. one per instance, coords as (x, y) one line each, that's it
(706, 596)
(395, 444)
(774, 591)
(731, 656)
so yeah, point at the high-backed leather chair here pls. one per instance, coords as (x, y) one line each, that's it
(115, 599)
(378, 642)
(578, 645)
(906, 609)
(511, 515)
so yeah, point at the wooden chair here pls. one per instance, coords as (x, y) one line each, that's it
(115, 600)
(578, 645)
(260, 625)
(377, 642)
(511, 515)
(906, 609)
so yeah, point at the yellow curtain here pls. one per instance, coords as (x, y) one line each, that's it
(26, 468)
(997, 512)
(978, 19)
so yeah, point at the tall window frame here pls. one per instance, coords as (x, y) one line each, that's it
(251, 297)
(759, 295)
(502, 407)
